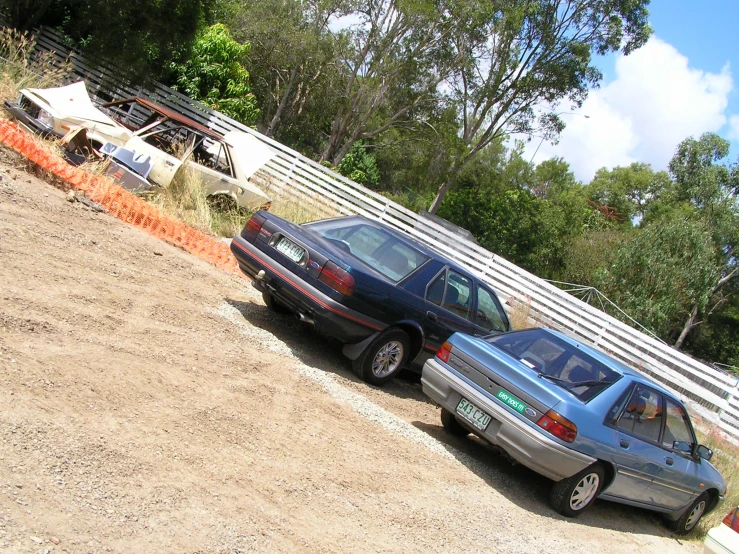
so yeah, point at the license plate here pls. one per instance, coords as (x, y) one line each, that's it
(290, 249)
(511, 401)
(473, 414)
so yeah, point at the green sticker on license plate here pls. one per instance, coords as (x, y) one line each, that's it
(511, 401)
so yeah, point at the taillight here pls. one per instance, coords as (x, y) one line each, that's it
(444, 351)
(338, 279)
(254, 224)
(731, 520)
(558, 425)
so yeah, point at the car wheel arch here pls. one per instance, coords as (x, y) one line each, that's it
(415, 333)
(610, 474)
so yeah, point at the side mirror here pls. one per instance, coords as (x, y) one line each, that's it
(682, 446)
(704, 452)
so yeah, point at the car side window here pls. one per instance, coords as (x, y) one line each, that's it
(213, 155)
(643, 415)
(435, 293)
(458, 296)
(490, 314)
(452, 291)
(677, 426)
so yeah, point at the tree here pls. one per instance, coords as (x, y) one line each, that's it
(628, 190)
(293, 65)
(141, 36)
(659, 276)
(520, 58)
(215, 75)
(710, 188)
(392, 58)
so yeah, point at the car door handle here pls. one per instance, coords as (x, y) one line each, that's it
(432, 316)
(669, 461)
(624, 444)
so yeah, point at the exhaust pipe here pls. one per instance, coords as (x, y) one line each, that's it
(305, 319)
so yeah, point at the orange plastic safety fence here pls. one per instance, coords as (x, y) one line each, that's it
(120, 202)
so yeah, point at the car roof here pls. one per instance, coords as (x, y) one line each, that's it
(169, 114)
(422, 247)
(611, 362)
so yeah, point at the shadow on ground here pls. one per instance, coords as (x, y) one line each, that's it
(519, 484)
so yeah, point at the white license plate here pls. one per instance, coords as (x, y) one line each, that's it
(290, 249)
(473, 414)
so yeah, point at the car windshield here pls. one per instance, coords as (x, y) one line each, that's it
(377, 248)
(558, 361)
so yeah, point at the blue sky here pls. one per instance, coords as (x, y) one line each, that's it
(681, 84)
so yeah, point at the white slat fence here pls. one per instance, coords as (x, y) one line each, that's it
(290, 175)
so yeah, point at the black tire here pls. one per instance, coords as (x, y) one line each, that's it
(572, 496)
(383, 358)
(274, 304)
(687, 522)
(450, 423)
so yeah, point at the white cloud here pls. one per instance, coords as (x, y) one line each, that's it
(655, 101)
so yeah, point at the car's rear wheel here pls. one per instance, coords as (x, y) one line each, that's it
(572, 496)
(383, 358)
(273, 304)
(450, 423)
(687, 522)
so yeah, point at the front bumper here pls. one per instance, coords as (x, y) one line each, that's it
(29, 123)
(523, 443)
(328, 315)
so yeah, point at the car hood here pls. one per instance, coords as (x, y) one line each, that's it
(69, 102)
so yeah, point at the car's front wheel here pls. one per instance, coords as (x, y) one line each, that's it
(687, 522)
(572, 496)
(383, 358)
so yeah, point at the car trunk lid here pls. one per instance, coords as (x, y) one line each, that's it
(509, 380)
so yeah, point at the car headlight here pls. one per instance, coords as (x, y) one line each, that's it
(45, 118)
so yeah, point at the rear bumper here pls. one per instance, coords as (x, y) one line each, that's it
(330, 317)
(522, 442)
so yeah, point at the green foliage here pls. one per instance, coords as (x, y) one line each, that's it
(139, 36)
(629, 191)
(659, 275)
(516, 57)
(718, 337)
(360, 166)
(294, 71)
(215, 75)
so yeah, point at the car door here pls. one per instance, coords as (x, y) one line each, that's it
(636, 422)
(449, 304)
(676, 481)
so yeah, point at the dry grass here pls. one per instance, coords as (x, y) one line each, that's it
(185, 199)
(18, 69)
(726, 460)
(520, 315)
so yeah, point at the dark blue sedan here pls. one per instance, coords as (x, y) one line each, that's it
(392, 300)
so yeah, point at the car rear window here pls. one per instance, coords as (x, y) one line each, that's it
(558, 361)
(377, 248)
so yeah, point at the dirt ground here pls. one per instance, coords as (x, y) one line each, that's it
(151, 403)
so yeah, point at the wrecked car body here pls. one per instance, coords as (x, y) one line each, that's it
(147, 143)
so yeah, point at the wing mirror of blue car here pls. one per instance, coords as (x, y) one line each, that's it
(704, 452)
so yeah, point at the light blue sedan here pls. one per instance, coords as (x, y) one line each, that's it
(596, 427)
